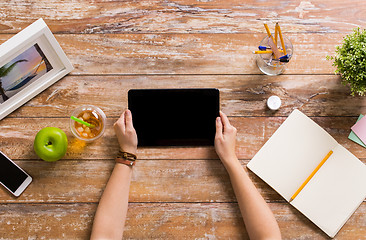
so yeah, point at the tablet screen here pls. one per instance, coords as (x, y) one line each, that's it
(174, 117)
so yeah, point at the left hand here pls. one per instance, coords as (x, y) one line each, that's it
(126, 133)
(225, 140)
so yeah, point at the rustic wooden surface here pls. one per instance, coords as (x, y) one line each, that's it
(176, 193)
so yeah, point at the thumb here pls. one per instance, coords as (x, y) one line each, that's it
(218, 128)
(128, 117)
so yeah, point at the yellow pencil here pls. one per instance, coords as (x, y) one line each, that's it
(281, 38)
(276, 34)
(311, 175)
(265, 51)
(268, 32)
(270, 35)
(262, 52)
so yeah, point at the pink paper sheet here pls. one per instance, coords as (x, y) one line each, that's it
(360, 129)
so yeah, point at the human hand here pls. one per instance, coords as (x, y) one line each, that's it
(126, 134)
(225, 139)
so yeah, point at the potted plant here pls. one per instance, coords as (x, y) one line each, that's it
(350, 61)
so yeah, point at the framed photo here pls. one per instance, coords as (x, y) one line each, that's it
(30, 62)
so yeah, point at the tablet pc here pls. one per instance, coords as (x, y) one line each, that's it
(174, 117)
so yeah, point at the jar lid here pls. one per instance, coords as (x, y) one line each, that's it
(274, 103)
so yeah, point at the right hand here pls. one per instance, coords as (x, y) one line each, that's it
(225, 139)
(126, 133)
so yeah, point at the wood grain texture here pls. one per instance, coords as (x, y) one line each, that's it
(183, 16)
(17, 135)
(162, 221)
(203, 181)
(189, 53)
(176, 193)
(152, 181)
(53, 221)
(243, 95)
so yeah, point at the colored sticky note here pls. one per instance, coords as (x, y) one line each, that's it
(352, 136)
(358, 133)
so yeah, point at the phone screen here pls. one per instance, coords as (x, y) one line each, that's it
(10, 175)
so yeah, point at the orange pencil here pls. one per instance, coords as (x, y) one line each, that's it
(270, 35)
(281, 38)
(262, 52)
(268, 32)
(311, 175)
(265, 51)
(276, 34)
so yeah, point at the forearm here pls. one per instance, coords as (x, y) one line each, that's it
(258, 218)
(111, 214)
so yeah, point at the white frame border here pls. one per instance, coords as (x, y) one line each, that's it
(37, 32)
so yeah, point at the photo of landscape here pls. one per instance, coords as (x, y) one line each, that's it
(22, 71)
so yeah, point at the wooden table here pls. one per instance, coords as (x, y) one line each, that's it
(176, 193)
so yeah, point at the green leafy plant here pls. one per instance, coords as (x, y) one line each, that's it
(350, 61)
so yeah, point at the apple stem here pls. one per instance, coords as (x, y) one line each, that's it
(49, 143)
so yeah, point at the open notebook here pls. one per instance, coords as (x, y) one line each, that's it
(293, 152)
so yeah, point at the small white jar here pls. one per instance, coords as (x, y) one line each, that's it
(274, 103)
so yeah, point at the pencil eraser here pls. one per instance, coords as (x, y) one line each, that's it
(274, 103)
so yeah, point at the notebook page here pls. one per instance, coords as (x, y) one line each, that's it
(335, 191)
(291, 154)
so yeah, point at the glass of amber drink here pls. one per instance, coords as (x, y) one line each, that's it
(92, 115)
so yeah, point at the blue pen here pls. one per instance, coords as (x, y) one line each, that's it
(284, 58)
(263, 48)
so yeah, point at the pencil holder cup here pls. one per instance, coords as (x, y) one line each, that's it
(266, 62)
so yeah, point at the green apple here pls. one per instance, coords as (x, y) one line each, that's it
(50, 144)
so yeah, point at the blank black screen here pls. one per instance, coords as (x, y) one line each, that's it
(10, 175)
(174, 117)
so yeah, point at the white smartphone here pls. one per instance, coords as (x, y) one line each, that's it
(12, 177)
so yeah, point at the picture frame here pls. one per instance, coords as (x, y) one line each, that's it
(30, 62)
